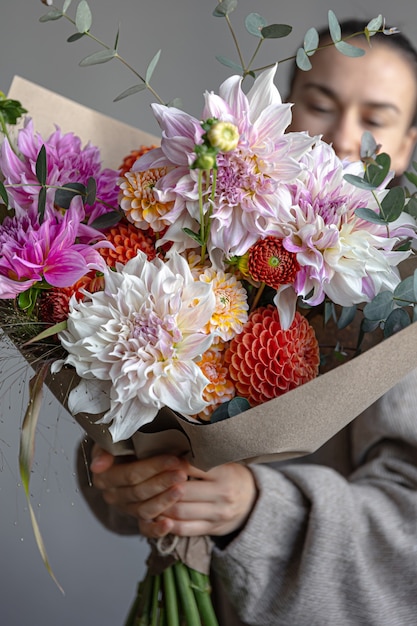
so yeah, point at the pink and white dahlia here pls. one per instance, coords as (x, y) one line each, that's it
(136, 343)
(67, 161)
(341, 256)
(250, 176)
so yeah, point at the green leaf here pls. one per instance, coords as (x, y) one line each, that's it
(193, 235)
(311, 41)
(107, 220)
(374, 25)
(175, 102)
(225, 8)
(64, 196)
(348, 50)
(276, 31)
(380, 307)
(329, 311)
(368, 145)
(405, 293)
(11, 110)
(75, 37)
(83, 17)
(26, 299)
(151, 67)
(3, 194)
(396, 321)
(49, 332)
(302, 60)
(116, 41)
(393, 204)
(27, 453)
(41, 167)
(130, 91)
(66, 6)
(369, 215)
(347, 316)
(228, 63)
(411, 177)
(377, 172)
(98, 57)
(334, 27)
(53, 14)
(41, 203)
(411, 206)
(358, 181)
(91, 191)
(254, 23)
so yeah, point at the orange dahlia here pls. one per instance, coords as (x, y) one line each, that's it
(127, 240)
(266, 361)
(53, 306)
(131, 158)
(270, 263)
(220, 388)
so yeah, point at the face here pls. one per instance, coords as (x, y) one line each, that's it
(341, 97)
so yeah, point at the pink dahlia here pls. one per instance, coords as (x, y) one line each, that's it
(266, 361)
(67, 161)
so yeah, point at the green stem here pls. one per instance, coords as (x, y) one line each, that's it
(202, 592)
(170, 597)
(188, 601)
(155, 600)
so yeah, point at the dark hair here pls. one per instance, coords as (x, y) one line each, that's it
(397, 42)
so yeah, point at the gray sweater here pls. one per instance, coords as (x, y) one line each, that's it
(332, 539)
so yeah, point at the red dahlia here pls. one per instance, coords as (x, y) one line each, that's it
(266, 361)
(270, 263)
(131, 158)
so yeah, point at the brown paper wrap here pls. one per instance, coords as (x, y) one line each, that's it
(292, 425)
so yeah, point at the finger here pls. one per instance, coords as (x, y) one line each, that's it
(146, 490)
(135, 472)
(100, 459)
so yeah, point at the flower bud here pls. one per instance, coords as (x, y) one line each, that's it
(224, 136)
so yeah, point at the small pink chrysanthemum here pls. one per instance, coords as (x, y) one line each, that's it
(139, 202)
(266, 361)
(231, 311)
(220, 388)
(67, 161)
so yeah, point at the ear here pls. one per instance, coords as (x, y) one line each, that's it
(406, 151)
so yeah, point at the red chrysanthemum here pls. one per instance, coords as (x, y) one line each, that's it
(270, 263)
(127, 240)
(266, 361)
(131, 158)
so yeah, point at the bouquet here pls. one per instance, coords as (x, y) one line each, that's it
(170, 303)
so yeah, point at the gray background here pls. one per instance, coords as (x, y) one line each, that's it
(97, 569)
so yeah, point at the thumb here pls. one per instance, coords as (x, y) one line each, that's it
(100, 460)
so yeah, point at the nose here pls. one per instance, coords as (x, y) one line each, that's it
(345, 136)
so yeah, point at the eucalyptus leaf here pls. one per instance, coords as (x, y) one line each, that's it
(254, 24)
(151, 67)
(3, 194)
(98, 57)
(348, 50)
(393, 204)
(66, 6)
(41, 167)
(369, 325)
(311, 41)
(329, 311)
(369, 215)
(67, 192)
(358, 181)
(377, 172)
(374, 25)
(380, 307)
(276, 31)
(228, 409)
(411, 177)
(228, 63)
(75, 37)
(116, 41)
(129, 92)
(302, 60)
(52, 15)
(346, 316)
(175, 102)
(107, 220)
(91, 191)
(396, 321)
(334, 27)
(368, 145)
(411, 206)
(404, 293)
(83, 17)
(225, 8)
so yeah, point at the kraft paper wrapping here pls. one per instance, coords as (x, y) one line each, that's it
(295, 424)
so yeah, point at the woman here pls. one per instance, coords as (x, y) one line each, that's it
(331, 539)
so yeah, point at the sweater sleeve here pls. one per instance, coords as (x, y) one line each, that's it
(323, 549)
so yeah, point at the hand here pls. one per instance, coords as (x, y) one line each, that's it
(158, 493)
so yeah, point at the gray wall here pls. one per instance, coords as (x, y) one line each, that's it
(97, 569)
